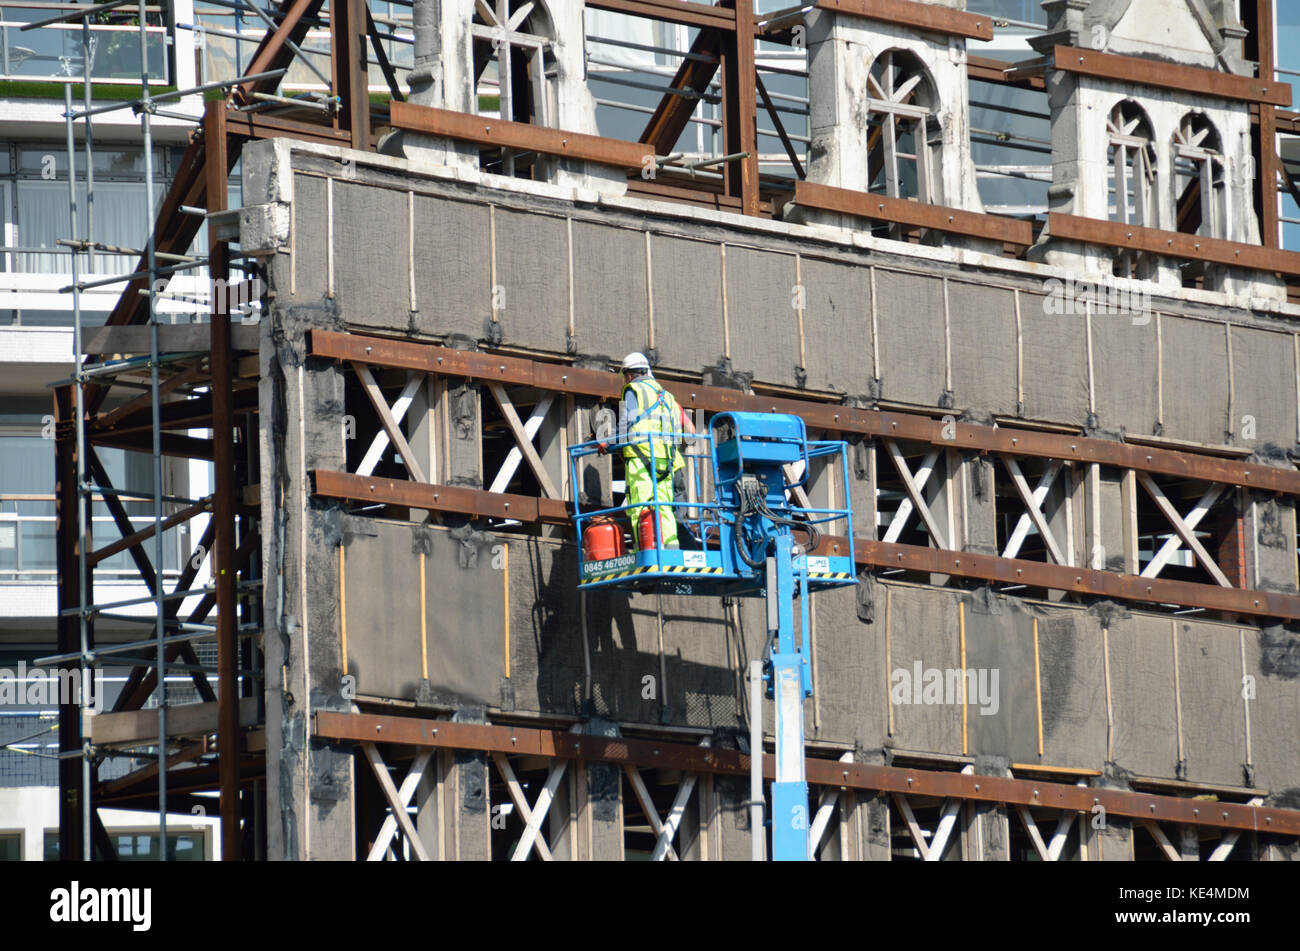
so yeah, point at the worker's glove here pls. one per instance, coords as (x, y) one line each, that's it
(603, 449)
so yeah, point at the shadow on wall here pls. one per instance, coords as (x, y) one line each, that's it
(690, 683)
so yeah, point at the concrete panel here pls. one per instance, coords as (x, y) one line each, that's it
(763, 324)
(1209, 671)
(687, 281)
(837, 326)
(611, 313)
(1055, 361)
(464, 620)
(910, 328)
(1271, 521)
(1142, 696)
(453, 278)
(923, 627)
(371, 276)
(309, 239)
(1124, 367)
(852, 682)
(1001, 713)
(532, 268)
(978, 504)
(983, 328)
(1074, 690)
(1273, 664)
(383, 630)
(1263, 381)
(1195, 383)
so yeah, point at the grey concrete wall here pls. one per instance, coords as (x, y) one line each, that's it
(792, 310)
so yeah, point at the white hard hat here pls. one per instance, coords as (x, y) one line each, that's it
(636, 361)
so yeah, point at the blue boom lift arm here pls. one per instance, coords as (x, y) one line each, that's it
(746, 542)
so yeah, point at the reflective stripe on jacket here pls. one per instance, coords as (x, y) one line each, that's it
(657, 412)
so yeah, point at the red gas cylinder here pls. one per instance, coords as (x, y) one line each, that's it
(646, 528)
(602, 539)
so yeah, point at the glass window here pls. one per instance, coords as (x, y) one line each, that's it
(57, 318)
(52, 159)
(143, 847)
(120, 218)
(1026, 11)
(1288, 36)
(11, 847)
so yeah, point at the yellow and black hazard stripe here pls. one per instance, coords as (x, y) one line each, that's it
(668, 569)
(832, 575)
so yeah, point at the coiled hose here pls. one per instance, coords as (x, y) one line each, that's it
(753, 501)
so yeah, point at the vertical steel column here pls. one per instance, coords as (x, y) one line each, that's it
(69, 540)
(1268, 158)
(351, 78)
(223, 495)
(740, 108)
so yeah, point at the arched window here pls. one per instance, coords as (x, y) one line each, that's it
(1200, 186)
(903, 133)
(514, 54)
(1131, 157)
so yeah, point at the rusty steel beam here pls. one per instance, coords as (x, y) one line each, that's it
(698, 193)
(183, 447)
(740, 111)
(914, 213)
(253, 125)
(348, 62)
(127, 698)
(185, 779)
(671, 116)
(518, 135)
(223, 494)
(430, 358)
(672, 11)
(996, 71)
(274, 51)
(929, 17)
(68, 542)
(1269, 160)
(135, 538)
(194, 412)
(444, 734)
(1147, 72)
(142, 680)
(1174, 244)
(1038, 574)
(477, 503)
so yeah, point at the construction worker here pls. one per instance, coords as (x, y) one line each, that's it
(648, 413)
